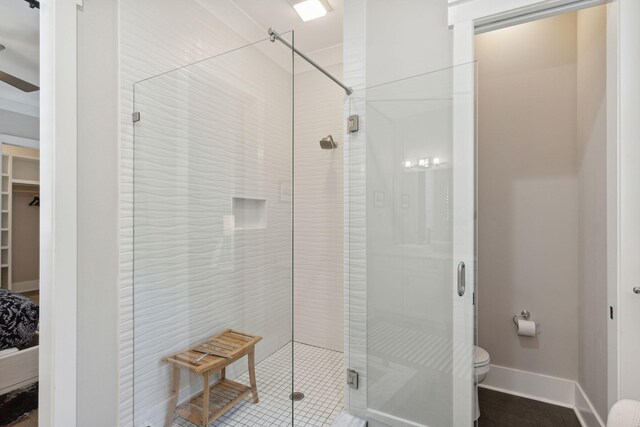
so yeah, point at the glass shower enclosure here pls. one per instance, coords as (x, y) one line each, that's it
(411, 250)
(213, 201)
(213, 246)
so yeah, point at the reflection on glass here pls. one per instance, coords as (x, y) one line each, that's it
(212, 224)
(401, 277)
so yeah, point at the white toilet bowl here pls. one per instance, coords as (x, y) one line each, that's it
(481, 363)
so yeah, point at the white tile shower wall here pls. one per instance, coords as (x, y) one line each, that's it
(355, 67)
(318, 311)
(157, 36)
(210, 132)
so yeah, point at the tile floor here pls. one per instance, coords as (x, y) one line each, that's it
(319, 374)
(506, 410)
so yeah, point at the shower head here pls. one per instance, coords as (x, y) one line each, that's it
(327, 143)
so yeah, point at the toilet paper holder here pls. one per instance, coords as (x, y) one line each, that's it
(524, 314)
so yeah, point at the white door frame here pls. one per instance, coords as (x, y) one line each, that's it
(58, 213)
(628, 201)
(623, 155)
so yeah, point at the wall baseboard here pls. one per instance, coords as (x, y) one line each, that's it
(585, 411)
(26, 286)
(544, 388)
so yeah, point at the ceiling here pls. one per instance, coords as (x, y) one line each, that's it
(310, 36)
(19, 33)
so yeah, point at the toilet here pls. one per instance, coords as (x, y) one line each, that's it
(481, 362)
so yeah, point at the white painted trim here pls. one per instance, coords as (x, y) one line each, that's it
(498, 22)
(544, 388)
(488, 11)
(464, 225)
(58, 213)
(18, 369)
(585, 410)
(629, 193)
(17, 140)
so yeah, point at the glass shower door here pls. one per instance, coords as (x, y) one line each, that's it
(411, 251)
(212, 230)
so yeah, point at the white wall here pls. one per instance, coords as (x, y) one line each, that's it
(592, 197)
(25, 234)
(318, 199)
(405, 38)
(527, 194)
(98, 161)
(21, 125)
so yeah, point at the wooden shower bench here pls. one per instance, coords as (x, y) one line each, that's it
(208, 357)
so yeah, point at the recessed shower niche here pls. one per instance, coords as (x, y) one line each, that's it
(249, 214)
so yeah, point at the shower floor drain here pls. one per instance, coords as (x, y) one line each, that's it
(296, 396)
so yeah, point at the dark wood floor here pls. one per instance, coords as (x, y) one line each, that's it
(505, 410)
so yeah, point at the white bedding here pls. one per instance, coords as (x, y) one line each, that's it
(19, 368)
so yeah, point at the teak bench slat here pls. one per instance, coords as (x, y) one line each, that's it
(209, 405)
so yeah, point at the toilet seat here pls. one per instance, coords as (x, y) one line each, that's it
(481, 357)
(481, 372)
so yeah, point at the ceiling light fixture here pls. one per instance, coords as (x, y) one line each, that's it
(312, 9)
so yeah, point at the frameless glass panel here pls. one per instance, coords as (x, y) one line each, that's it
(212, 237)
(410, 333)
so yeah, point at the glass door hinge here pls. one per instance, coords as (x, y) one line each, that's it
(352, 379)
(353, 123)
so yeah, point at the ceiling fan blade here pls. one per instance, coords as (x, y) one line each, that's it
(18, 83)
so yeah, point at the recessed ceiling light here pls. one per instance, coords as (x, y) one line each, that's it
(312, 9)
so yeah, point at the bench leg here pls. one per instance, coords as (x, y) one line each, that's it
(223, 373)
(252, 376)
(175, 389)
(205, 400)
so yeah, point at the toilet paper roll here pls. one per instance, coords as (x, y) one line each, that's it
(526, 328)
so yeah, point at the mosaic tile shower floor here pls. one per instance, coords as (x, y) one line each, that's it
(319, 374)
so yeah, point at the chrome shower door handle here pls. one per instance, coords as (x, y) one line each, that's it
(461, 279)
